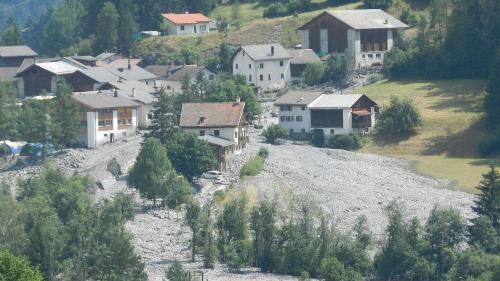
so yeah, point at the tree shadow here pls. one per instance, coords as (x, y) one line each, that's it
(382, 140)
(461, 96)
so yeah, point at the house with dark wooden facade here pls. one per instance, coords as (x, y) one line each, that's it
(13, 56)
(361, 35)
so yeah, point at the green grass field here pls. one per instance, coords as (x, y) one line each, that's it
(446, 144)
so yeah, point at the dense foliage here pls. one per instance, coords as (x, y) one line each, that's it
(274, 132)
(401, 118)
(14, 268)
(346, 142)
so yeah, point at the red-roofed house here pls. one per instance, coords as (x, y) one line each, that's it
(187, 23)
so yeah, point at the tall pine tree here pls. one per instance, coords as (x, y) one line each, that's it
(107, 28)
(66, 118)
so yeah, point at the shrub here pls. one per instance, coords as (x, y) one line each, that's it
(252, 167)
(313, 73)
(275, 10)
(401, 117)
(346, 142)
(219, 195)
(274, 132)
(490, 143)
(374, 78)
(335, 69)
(114, 168)
(318, 138)
(4, 150)
(263, 152)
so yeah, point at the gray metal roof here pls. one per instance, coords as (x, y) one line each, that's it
(185, 71)
(368, 19)
(263, 51)
(303, 56)
(8, 73)
(103, 99)
(217, 140)
(99, 74)
(58, 67)
(335, 101)
(134, 90)
(17, 51)
(298, 98)
(161, 71)
(104, 56)
(85, 58)
(134, 73)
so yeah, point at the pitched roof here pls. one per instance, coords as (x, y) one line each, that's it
(143, 92)
(186, 18)
(263, 51)
(17, 51)
(298, 98)
(58, 67)
(103, 99)
(85, 58)
(217, 114)
(367, 19)
(123, 63)
(335, 101)
(303, 56)
(99, 74)
(8, 73)
(179, 74)
(134, 73)
(161, 71)
(217, 140)
(104, 56)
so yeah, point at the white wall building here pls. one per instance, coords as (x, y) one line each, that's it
(265, 66)
(173, 78)
(183, 24)
(362, 35)
(302, 112)
(106, 117)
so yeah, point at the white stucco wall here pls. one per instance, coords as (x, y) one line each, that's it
(297, 126)
(96, 138)
(189, 29)
(229, 133)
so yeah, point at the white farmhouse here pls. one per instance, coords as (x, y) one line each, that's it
(106, 117)
(363, 35)
(183, 24)
(301, 112)
(265, 66)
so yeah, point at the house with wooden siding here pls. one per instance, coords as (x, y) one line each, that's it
(106, 117)
(361, 35)
(13, 56)
(301, 112)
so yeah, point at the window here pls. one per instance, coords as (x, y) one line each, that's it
(169, 87)
(285, 107)
(261, 77)
(282, 76)
(269, 77)
(281, 63)
(249, 66)
(202, 132)
(150, 116)
(261, 65)
(124, 134)
(282, 119)
(303, 130)
(236, 66)
(182, 27)
(210, 77)
(203, 28)
(250, 78)
(105, 123)
(289, 118)
(303, 108)
(235, 134)
(363, 56)
(332, 131)
(291, 131)
(370, 56)
(216, 133)
(378, 56)
(298, 118)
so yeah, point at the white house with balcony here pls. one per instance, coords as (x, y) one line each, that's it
(265, 66)
(363, 35)
(300, 112)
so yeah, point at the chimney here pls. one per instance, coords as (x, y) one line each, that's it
(36, 60)
(272, 50)
(129, 64)
(133, 92)
(238, 99)
(386, 21)
(115, 93)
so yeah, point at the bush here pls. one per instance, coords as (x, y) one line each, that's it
(346, 142)
(252, 167)
(335, 69)
(275, 10)
(374, 78)
(490, 143)
(318, 138)
(274, 132)
(263, 152)
(4, 150)
(313, 73)
(114, 168)
(401, 117)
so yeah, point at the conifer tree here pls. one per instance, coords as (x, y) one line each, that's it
(488, 200)
(66, 119)
(8, 112)
(107, 28)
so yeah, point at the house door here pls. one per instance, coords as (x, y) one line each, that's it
(111, 138)
(195, 29)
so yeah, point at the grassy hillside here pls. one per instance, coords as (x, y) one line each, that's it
(253, 30)
(446, 144)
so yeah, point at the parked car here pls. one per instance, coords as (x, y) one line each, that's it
(212, 175)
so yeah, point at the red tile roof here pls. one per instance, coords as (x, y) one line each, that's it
(186, 18)
(216, 114)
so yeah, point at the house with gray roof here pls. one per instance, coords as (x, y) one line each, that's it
(171, 77)
(106, 117)
(13, 56)
(300, 59)
(362, 35)
(264, 66)
(301, 112)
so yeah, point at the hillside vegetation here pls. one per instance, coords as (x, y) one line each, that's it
(253, 29)
(447, 144)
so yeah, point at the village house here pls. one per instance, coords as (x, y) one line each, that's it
(300, 59)
(363, 35)
(265, 66)
(13, 56)
(182, 24)
(300, 112)
(172, 77)
(221, 124)
(138, 92)
(108, 58)
(106, 117)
